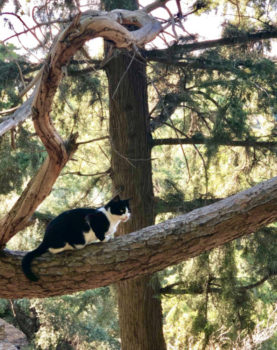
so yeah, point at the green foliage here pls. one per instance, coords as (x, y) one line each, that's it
(88, 320)
(264, 244)
(10, 64)
(220, 307)
(18, 164)
(109, 5)
(3, 306)
(226, 93)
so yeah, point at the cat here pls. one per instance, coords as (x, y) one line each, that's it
(74, 229)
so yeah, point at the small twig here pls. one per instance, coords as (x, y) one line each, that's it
(78, 5)
(13, 138)
(172, 21)
(183, 151)
(23, 23)
(35, 27)
(105, 154)
(123, 76)
(32, 83)
(154, 5)
(122, 156)
(197, 150)
(92, 140)
(162, 37)
(26, 49)
(102, 173)
(20, 73)
(34, 19)
(11, 301)
(8, 111)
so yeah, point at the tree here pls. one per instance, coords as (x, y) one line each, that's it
(131, 146)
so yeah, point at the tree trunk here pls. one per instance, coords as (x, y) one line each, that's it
(140, 313)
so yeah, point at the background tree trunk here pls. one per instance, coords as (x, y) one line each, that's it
(140, 313)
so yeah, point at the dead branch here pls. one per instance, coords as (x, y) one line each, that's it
(109, 25)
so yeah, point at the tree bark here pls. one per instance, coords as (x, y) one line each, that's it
(144, 252)
(140, 313)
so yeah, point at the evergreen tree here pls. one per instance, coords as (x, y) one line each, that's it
(213, 133)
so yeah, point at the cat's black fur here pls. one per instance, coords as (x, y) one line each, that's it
(74, 229)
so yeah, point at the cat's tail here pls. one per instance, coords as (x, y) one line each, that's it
(28, 258)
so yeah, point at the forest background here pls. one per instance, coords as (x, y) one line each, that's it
(201, 116)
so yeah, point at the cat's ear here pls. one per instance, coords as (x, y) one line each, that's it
(116, 199)
(113, 200)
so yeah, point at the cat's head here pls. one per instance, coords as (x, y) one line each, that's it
(120, 208)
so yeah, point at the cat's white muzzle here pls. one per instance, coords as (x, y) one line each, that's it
(126, 217)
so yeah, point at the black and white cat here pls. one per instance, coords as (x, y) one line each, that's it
(76, 228)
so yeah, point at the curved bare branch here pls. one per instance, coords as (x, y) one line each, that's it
(109, 25)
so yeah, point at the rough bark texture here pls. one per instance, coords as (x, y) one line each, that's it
(140, 313)
(146, 251)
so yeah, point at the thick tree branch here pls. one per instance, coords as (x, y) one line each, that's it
(177, 50)
(178, 205)
(205, 141)
(146, 251)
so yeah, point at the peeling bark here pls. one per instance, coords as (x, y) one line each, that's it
(21, 114)
(145, 251)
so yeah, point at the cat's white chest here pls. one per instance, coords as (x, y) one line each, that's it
(114, 222)
(112, 229)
